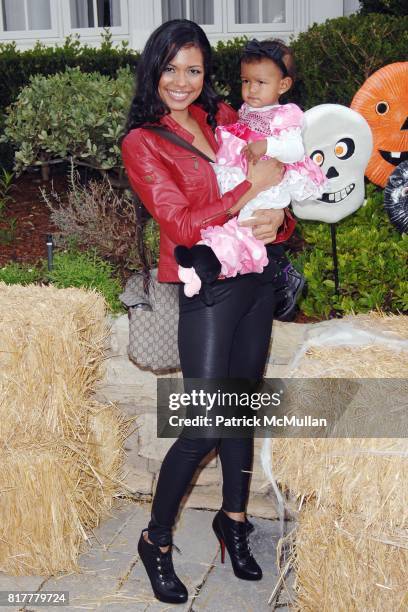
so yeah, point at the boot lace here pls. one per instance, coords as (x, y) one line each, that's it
(165, 564)
(242, 545)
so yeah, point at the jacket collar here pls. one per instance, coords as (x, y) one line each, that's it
(200, 115)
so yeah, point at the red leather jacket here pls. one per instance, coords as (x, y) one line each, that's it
(178, 189)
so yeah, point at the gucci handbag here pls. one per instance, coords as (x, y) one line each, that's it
(153, 313)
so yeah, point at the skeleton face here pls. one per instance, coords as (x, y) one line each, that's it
(339, 140)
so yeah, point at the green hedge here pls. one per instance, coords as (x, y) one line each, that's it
(16, 67)
(335, 58)
(388, 7)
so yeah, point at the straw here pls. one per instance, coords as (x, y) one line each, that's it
(61, 451)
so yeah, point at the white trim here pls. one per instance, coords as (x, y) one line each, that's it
(301, 16)
(53, 32)
(240, 28)
(95, 31)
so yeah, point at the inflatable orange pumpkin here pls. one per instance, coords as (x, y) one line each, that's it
(383, 102)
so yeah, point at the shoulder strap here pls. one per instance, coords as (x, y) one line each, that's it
(141, 248)
(175, 139)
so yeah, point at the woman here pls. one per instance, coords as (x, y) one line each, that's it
(228, 339)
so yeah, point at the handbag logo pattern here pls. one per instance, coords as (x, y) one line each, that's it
(153, 328)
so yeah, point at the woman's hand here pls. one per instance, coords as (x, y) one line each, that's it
(265, 223)
(265, 174)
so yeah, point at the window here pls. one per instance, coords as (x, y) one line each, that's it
(24, 19)
(207, 13)
(266, 11)
(25, 15)
(269, 15)
(95, 13)
(89, 17)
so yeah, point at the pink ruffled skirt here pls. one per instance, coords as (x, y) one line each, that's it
(238, 251)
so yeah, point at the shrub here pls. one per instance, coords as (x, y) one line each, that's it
(87, 270)
(96, 216)
(71, 269)
(22, 274)
(226, 69)
(70, 114)
(18, 66)
(335, 58)
(7, 226)
(371, 257)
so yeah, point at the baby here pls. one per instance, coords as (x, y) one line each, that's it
(264, 129)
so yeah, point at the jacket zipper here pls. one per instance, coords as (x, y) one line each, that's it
(222, 213)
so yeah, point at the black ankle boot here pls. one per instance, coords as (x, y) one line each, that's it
(233, 535)
(166, 585)
(250, 526)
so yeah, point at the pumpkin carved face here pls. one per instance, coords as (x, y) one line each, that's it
(383, 102)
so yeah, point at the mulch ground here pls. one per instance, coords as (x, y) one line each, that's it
(32, 219)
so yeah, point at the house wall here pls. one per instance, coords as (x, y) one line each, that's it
(141, 17)
(351, 6)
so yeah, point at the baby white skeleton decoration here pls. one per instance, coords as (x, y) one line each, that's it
(340, 141)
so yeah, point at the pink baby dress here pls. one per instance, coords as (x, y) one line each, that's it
(235, 246)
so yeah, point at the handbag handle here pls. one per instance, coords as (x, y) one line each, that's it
(176, 139)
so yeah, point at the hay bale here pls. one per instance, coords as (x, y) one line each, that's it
(352, 362)
(342, 565)
(364, 476)
(108, 429)
(62, 450)
(40, 528)
(52, 354)
(349, 494)
(362, 346)
(347, 472)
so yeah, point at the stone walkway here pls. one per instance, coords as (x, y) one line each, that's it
(113, 578)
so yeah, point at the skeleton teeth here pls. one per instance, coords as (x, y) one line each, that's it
(396, 154)
(338, 196)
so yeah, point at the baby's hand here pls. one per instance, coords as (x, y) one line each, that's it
(255, 150)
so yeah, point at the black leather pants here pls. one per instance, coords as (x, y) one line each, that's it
(229, 339)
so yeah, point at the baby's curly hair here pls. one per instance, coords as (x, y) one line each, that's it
(273, 49)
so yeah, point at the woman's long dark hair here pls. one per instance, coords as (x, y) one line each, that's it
(160, 49)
